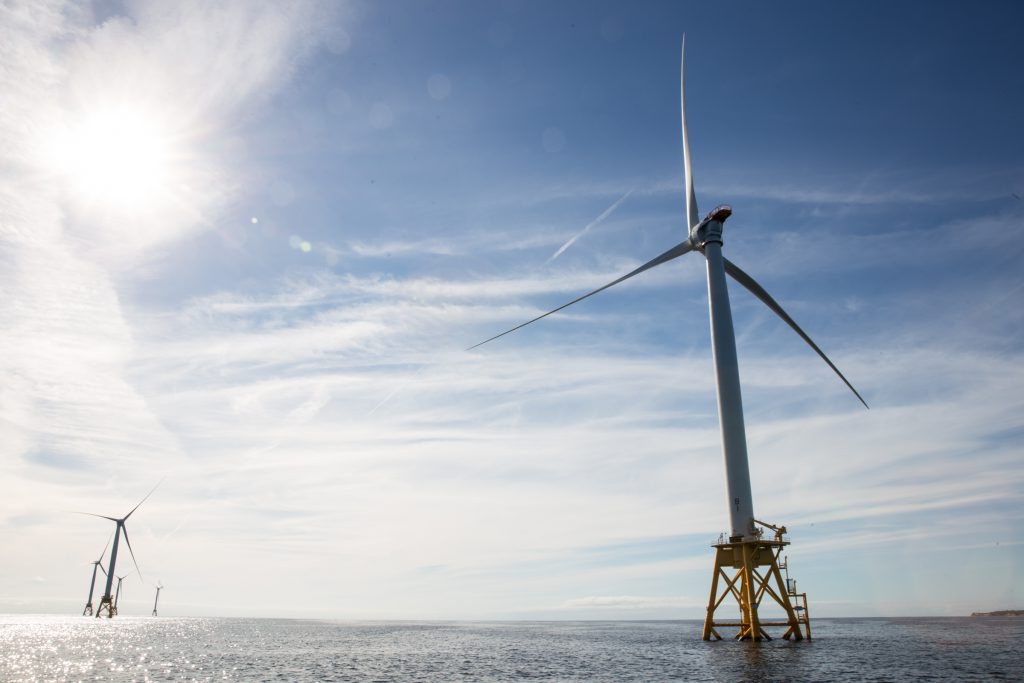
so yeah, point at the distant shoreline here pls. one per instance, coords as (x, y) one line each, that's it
(1000, 613)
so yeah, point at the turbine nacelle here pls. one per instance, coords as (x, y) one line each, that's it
(710, 229)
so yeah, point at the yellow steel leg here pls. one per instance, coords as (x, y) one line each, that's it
(709, 617)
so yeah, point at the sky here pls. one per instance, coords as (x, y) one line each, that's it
(245, 245)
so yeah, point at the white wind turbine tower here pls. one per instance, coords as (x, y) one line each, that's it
(754, 558)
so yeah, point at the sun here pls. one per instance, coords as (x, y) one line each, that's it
(115, 158)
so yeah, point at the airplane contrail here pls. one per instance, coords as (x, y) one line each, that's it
(581, 233)
(397, 389)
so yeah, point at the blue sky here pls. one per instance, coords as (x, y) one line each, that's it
(245, 247)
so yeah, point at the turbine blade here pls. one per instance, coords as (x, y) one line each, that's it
(757, 290)
(692, 217)
(674, 252)
(105, 547)
(132, 552)
(143, 500)
(93, 514)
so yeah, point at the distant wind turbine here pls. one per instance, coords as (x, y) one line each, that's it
(117, 595)
(159, 587)
(746, 549)
(107, 602)
(96, 564)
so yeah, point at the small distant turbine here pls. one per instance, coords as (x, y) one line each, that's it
(746, 549)
(96, 564)
(107, 602)
(159, 587)
(117, 595)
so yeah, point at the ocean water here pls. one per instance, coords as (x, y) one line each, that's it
(46, 648)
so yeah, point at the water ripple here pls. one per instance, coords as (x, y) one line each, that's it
(46, 648)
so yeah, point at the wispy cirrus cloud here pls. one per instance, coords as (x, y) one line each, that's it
(72, 411)
(864, 188)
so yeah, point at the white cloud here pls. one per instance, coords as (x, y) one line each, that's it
(71, 404)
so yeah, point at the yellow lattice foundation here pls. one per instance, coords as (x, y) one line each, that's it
(106, 605)
(749, 571)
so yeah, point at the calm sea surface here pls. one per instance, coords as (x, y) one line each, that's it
(173, 649)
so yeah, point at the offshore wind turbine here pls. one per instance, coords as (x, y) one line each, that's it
(107, 602)
(92, 584)
(117, 594)
(747, 550)
(159, 587)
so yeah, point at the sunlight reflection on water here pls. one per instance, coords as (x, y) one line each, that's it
(45, 648)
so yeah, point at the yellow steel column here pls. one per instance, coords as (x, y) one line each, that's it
(807, 616)
(709, 617)
(750, 551)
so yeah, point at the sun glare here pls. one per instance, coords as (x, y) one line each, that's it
(115, 158)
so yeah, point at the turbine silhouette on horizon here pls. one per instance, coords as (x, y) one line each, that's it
(117, 593)
(107, 602)
(96, 564)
